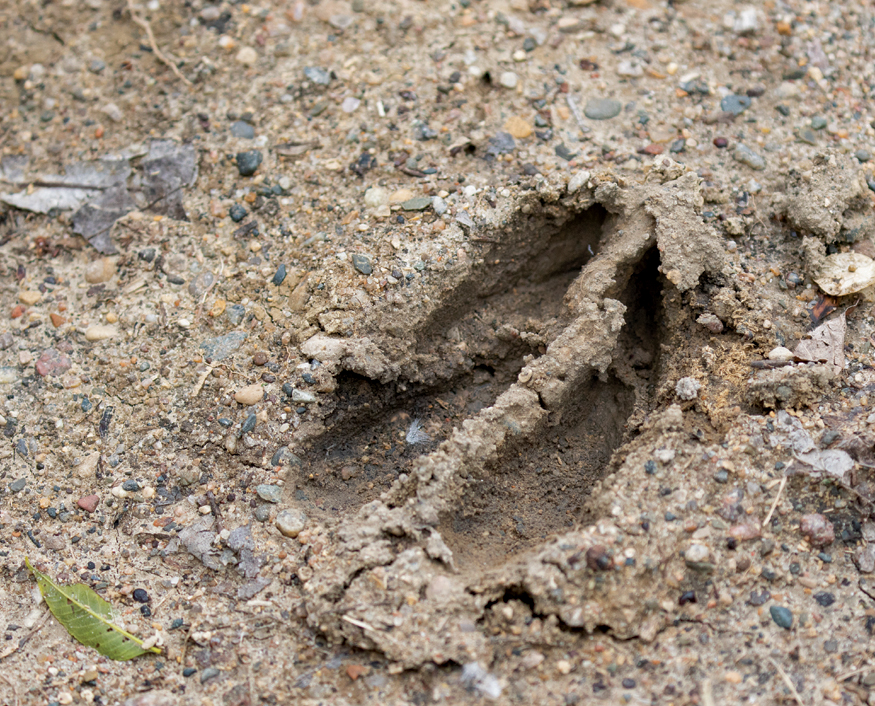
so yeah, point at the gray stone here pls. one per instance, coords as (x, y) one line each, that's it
(818, 122)
(291, 523)
(782, 616)
(863, 155)
(240, 128)
(687, 388)
(209, 673)
(747, 156)
(283, 456)
(280, 275)
(807, 135)
(235, 314)
(221, 347)
(17, 485)
(318, 75)
(262, 513)
(303, 396)
(418, 203)
(269, 493)
(131, 485)
(362, 264)
(602, 108)
(735, 104)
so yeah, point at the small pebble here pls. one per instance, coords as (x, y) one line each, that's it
(782, 616)
(362, 264)
(249, 395)
(747, 156)
(242, 129)
(508, 79)
(52, 363)
(780, 354)
(88, 502)
(291, 523)
(279, 276)
(817, 529)
(602, 108)
(246, 56)
(248, 162)
(140, 595)
(237, 213)
(99, 332)
(269, 493)
(735, 104)
(221, 347)
(100, 270)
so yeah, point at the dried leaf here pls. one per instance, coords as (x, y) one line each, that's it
(88, 618)
(845, 273)
(833, 463)
(824, 306)
(826, 344)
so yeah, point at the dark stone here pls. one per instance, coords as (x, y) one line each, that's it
(248, 162)
(140, 595)
(280, 275)
(735, 104)
(824, 599)
(362, 264)
(237, 213)
(782, 616)
(131, 486)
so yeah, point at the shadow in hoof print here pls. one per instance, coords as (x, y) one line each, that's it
(460, 355)
(538, 484)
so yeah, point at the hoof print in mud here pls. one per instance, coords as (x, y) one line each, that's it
(523, 378)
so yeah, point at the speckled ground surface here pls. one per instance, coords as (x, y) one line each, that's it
(428, 352)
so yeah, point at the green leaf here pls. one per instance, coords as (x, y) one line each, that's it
(88, 618)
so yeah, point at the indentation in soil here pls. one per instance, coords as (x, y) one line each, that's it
(539, 487)
(470, 351)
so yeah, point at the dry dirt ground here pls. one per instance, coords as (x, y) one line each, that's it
(439, 352)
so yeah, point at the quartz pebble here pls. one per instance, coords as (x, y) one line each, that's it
(780, 354)
(246, 56)
(99, 332)
(100, 270)
(291, 523)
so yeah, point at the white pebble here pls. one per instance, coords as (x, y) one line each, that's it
(99, 332)
(247, 56)
(509, 79)
(780, 354)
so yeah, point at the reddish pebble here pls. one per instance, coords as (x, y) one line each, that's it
(745, 532)
(18, 311)
(720, 142)
(52, 362)
(817, 529)
(652, 149)
(597, 558)
(88, 503)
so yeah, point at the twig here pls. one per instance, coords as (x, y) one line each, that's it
(575, 111)
(854, 673)
(23, 641)
(775, 503)
(787, 681)
(155, 50)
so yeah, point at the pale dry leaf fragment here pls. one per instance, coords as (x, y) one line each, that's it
(846, 273)
(826, 344)
(833, 463)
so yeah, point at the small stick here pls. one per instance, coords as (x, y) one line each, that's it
(775, 503)
(853, 673)
(23, 641)
(787, 681)
(155, 50)
(575, 111)
(707, 693)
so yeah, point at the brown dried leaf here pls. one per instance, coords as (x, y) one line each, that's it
(824, 306)
(826, 344)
